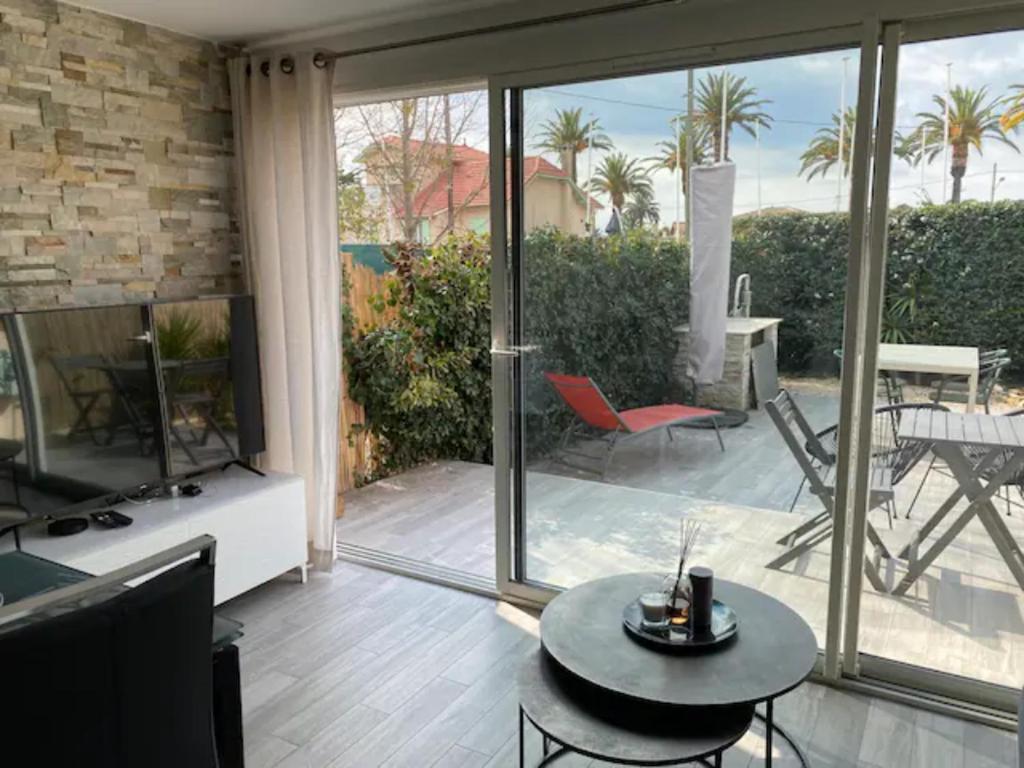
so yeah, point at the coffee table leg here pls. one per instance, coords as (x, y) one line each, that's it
(770, 729)
(522, 749)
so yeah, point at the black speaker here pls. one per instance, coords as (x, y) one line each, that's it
(702, 583)
(245, 376)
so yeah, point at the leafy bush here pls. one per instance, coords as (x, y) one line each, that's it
(603, 308)
(607, 307)
(179, 334)
(955, 276)
(797, 266)
(964, 266)
(425, 378)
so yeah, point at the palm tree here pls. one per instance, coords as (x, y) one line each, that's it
(568, 135)
(972, 119)
(742, 108)
(620, 177)
(1014, 114)
(823, 151)
(672, 154)
(642, 208)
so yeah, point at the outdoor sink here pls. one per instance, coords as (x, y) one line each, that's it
(735, 390)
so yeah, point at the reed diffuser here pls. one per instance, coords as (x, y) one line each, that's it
(679, 596)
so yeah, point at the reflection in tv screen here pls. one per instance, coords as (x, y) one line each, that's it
(101, 401)
(77, 415)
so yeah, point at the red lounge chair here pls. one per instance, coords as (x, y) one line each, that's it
(591, 409)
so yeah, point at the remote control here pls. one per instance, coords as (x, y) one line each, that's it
(111, 518)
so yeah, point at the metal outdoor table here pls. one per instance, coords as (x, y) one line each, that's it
(929, 358)
(1002, 439)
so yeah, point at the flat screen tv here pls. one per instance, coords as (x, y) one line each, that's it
(100, 402)
(207, 354)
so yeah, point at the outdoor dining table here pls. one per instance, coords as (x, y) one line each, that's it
(931, 358)
(1002, 440)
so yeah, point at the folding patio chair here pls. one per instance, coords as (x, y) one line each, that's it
(591, 410)
(797, 433)
(194, 390)
(887, 449)
(85, 397)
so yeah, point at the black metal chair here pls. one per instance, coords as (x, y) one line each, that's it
(889, 388)
(135, 670)
(991, 364)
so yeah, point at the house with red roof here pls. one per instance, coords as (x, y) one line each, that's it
(551, 199)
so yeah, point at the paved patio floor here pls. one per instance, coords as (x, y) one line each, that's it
(964, 616)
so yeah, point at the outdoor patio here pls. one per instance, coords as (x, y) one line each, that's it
(964, 616)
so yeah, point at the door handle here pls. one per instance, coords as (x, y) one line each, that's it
(146, 337)
(514, 351)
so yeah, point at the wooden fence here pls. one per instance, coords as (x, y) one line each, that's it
(358, 451)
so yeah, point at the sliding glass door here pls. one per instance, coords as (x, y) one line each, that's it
(607, 365)
(947, 614)
(635, 358)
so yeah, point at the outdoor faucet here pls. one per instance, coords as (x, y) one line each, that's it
(741, 297)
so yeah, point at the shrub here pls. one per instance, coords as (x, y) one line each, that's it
(955, 275)
(797, 266)
(964, 267)
(424, 378)
(607, 307)
(604, 308)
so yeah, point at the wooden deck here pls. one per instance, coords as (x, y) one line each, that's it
(964, 616)
(327, 681)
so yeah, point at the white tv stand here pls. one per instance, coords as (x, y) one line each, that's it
(259, 524)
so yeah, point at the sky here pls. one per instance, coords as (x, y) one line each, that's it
(804, 91)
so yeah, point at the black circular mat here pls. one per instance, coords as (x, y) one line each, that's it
(731, 417)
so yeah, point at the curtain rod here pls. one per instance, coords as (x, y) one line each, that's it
(321, 59)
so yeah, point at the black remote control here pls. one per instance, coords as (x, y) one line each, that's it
(111, 518)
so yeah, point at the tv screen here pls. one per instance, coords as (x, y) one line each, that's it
(78, 414)
(207, 355)
(84, 415)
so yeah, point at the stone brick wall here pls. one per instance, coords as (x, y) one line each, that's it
(116, 177)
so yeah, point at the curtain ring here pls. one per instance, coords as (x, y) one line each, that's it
(287, 65)
(319, 61)
(265, 68)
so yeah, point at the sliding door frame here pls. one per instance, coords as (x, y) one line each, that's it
(842, 662)
(979, 697)
(506, 141)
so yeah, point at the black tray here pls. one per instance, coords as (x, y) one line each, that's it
(678, 637)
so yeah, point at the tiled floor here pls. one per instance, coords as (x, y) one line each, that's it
(362, 668)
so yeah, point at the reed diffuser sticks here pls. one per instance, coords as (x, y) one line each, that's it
(689, 531)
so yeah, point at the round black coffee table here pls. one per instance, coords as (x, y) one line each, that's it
(589, 722)
(773, 652)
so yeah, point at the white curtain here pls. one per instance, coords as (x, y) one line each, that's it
(285, 153)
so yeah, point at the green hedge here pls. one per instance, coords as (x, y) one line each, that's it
(955, 276)
(797, 267)
(425, 379)
(964, 266)
(603, 308)
(606, 308)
